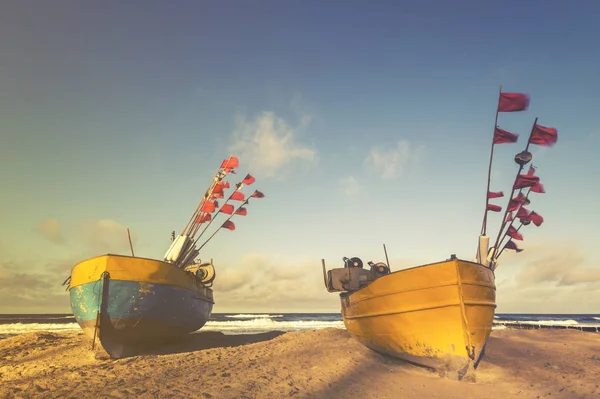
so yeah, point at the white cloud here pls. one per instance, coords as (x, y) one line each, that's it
(107, 236)
(269, 144)
(349, 185)
(50, 229)
(390, 163)
(270, 283)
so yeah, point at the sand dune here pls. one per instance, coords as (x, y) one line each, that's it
(315, 364)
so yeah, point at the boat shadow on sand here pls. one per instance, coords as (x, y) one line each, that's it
(205, 340)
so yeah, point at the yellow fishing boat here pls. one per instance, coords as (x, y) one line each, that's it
(438, 315)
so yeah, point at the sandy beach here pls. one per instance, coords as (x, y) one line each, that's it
(324, 363)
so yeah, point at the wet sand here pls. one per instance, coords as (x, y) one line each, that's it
(314, 364)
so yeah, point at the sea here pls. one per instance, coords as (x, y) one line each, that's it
(254, 323)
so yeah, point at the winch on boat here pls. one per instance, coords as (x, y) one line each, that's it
(353, 276)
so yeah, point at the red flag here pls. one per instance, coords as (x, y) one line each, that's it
(536, 218)
(230, 163)
(513, 233)
(241, 212)
(228, 225)
(238, 196)
(502, 136)
(227, 208)
(538, 188)
(544, 136)
(511, 245)
(525, 181)
(217, 195)
(522, 213)
(516, 202)
(492, 194)
(203, 217)
(509, 217)
(257, 194)
(208, 206)
(494, 208)
(531, 170)
(512, 102)
(248, 180)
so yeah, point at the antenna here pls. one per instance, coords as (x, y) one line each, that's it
(386, 257)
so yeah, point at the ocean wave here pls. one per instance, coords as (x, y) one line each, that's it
(21, 328)
(253, 316)
(544, 322)
(265, 324)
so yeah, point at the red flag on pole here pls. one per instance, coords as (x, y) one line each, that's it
(509, 217)
(257, 194)
(228, 225)
(531, 170)
(511, 245)
(513, 233)
(536, 218)
(512, 102)
(525, 181)
(208, 206)
(498, 194)
(494, 208)
(248, 180)
(230, 163)
(516, 202)
(241, 212)
(227, 208)
(544, 136)
(238, 196)
(522, 213)
(538, 188)
(502, 136)
(203, 217)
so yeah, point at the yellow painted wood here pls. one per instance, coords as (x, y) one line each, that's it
(129, 268)
(425, 313)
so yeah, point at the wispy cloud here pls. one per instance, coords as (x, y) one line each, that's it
(105, 235)
(349, 186)
(269, 145)
(50, 229)
(391, 163)
(551, 277)
(263, 282)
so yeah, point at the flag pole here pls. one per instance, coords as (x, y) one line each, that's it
(504, 247)
(217, 230)
(487, 200)
(511, 194)
(239, 186)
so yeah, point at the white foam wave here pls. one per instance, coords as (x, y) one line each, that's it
(21, 328)
(499, 327)
(544, 322)
(255, 326)
(596, 318)
(254, 316)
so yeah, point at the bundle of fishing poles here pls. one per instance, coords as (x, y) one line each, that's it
(524, 184)
(183, 250)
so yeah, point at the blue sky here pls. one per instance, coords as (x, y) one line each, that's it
(362, 123)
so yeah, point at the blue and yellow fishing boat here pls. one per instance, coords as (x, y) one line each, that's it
(130, 303)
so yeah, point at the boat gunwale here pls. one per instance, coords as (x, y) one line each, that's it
(198, 285)
(444, 261)
(476, 283)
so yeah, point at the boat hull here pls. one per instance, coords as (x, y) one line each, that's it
(133, 304)
(438, 315)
